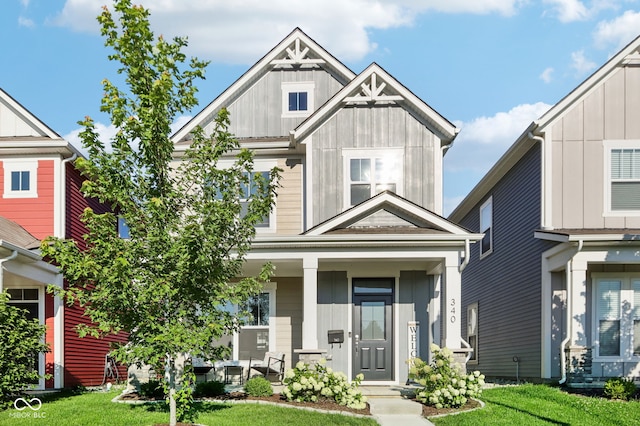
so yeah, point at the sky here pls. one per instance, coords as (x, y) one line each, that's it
(489, 66)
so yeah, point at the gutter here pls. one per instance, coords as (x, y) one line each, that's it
(12, 256)
(569, 315)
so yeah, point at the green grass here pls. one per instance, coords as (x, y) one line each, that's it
(544, 405)
(96, 408)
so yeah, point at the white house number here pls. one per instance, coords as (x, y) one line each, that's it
(452, 311)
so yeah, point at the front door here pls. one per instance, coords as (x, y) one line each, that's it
(373, 328)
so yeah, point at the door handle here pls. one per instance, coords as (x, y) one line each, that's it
(357, 340)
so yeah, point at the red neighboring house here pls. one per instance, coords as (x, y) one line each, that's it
(41, 197)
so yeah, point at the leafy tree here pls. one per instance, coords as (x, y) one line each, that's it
(168, 283)
(21, 341)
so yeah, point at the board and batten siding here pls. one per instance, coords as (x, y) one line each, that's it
(289, 318)
(257, 111)
(506, 283)
(377, 127)
(609, 112)
(333, 314)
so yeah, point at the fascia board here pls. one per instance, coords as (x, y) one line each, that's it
(262, 66)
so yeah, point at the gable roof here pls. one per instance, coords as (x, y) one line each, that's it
(26, 133)
(629, 55)
(297, 49)
(376, 86)
(416, 220)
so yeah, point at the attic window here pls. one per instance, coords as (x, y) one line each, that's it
(20, 178)
(297, 98)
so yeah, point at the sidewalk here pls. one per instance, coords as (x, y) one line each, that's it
(390, 406)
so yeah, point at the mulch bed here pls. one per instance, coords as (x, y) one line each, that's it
(428, 411)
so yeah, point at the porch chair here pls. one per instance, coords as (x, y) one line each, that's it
(273, 364)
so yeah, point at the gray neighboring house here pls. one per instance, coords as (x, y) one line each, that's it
(367, 269)
(553, 290)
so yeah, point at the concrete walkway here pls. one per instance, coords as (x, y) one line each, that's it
(391, 407)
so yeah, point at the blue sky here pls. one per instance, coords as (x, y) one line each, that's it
(489, 66)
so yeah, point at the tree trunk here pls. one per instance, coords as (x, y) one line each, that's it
(170, 370)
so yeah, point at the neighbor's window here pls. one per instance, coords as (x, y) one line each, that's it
(297, 98)
(486, 227)
(617, 321)
(372, 173)
(472, 330)
(20, 179)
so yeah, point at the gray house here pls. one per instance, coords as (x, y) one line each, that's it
(364, 260)
(553, 289)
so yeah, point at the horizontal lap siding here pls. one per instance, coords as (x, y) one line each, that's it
(289, 200)
(33, 214)
(84, 358)
(506, 283)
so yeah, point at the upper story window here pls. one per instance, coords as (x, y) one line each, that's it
(297, 98)
(486, 227)
(370, 172)
(20, 178)
(623, 177)
(249, 189)
(617, 318)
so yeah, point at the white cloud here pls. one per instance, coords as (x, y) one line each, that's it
(26, 22)
(581, 64)
(232, 31)
(569, 10)
(619, 31)
(546, 75)
(483, 140)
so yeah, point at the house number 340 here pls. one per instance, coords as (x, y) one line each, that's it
(452, 311)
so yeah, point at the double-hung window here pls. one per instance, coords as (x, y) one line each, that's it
(623, 176)
(617, 316)
(248, 190)
(20, 178)
(371, 172)
(297, 98)
(486, 227)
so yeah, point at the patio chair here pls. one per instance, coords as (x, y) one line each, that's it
(273, 364)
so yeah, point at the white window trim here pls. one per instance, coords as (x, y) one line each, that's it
(41, 320)
(488, 202)
(298, 86)
(626, 326)
(610, 145)
(351, 153)
(260, 165)
(30, 166)
(269, 288)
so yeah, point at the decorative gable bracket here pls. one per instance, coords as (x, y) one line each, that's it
(632, 58)
(373, 92)
(297, 54)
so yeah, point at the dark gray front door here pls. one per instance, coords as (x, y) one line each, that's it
(373, 328)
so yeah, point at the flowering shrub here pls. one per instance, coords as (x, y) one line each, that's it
(444, 384)
(310, 383)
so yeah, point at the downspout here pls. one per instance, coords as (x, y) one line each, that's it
(569, 327)
(463, 265)
(543, 181)
(10, 257)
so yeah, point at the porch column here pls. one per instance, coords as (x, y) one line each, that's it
(310, 303)
(451, 308)
(58, 336)
(578, 295)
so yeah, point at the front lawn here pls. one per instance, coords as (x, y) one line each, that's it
(96, 408)
(543, 405)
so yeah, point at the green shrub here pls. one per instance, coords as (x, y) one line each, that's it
(444, 384)
(258, 386)
(21, 341)
(309, 383)
(153, 389)
(619, 388)
(213, 388)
